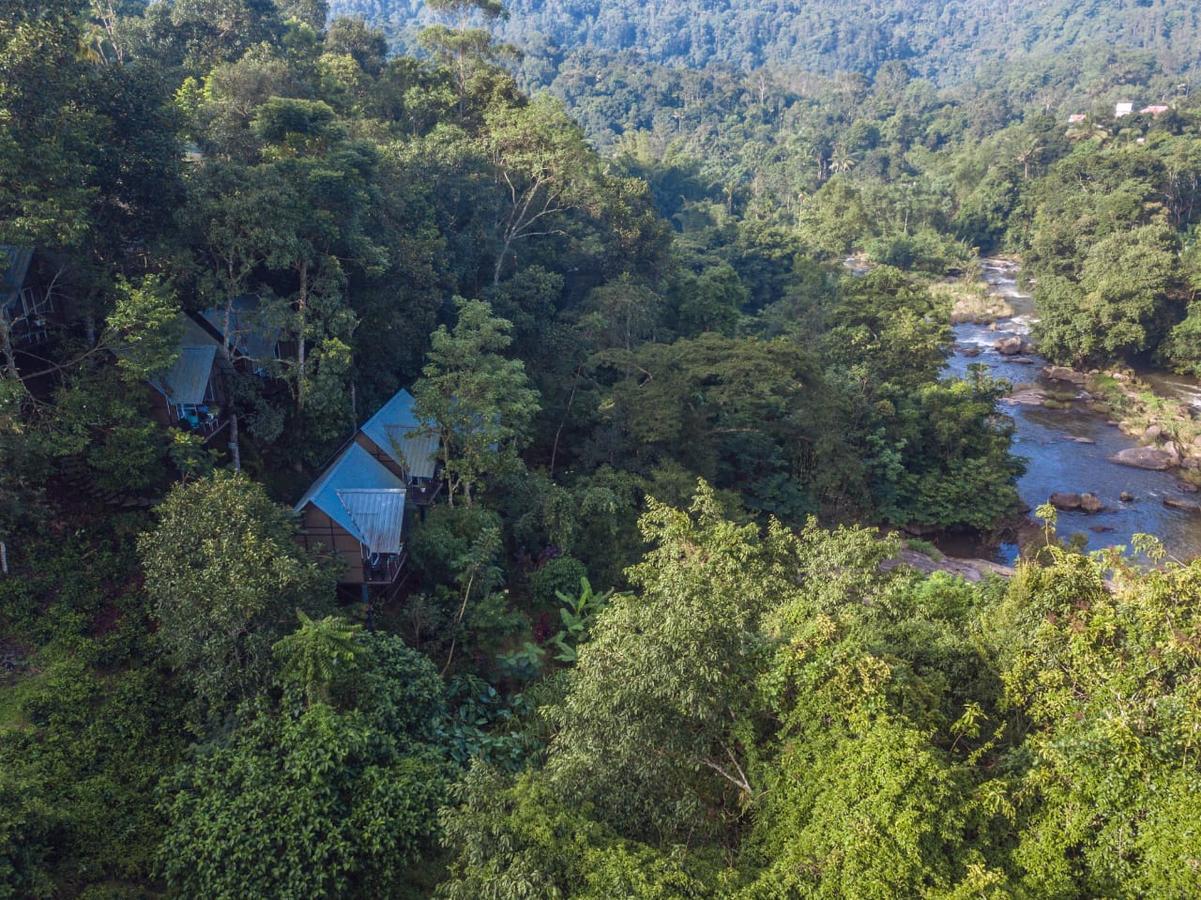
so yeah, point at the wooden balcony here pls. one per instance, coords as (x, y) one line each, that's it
(383, 568)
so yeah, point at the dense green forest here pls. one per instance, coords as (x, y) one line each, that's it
(649, 630)
(943, 40)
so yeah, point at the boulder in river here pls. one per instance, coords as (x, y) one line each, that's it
(1145, 458)
(1010, 346)
(1083, 440)
(1091, 503)
(1065, 501)
(1101, 529)
(1181, 503)
(1022, 360)
(1126, 497)
(970, 352)
(1026, 395)
(1063, 373)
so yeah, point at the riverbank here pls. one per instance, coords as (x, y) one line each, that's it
(1155, 421)
(1067, 428)
(926, 562)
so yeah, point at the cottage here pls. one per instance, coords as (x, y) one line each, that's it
(1077, 118)
(1120, 110)
(24, 307)
(253, 342)
(189, 395)
(1155, 110)
(396, 438)
(356, 511)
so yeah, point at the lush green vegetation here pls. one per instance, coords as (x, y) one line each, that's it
(941, 40)
(649, 641)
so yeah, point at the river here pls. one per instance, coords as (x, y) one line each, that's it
(1069, 449)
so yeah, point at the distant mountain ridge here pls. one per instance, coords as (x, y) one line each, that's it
(946, 40)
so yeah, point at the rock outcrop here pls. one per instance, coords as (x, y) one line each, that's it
(1063, 373)
(1146, 458)
(969, 569)
(1010, 346)
(1068, 502)
(1181, 503)
(1065, 501)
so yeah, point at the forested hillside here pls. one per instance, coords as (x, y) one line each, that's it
(415, 482)
(947, 40)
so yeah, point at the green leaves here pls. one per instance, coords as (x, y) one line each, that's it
(1118, 307)
(144, 328)
(318, 653)
(225, 573)
(479, 403)
(577, 613)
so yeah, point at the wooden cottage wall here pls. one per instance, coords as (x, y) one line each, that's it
(320, 533)
(388, 462)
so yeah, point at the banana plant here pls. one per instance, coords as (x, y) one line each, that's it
(577, 614)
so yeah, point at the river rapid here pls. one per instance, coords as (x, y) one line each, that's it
(1069, 449)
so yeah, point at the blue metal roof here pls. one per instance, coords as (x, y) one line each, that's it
(14, 267)
(250, 336)
(187, 379)
(396, 430)
(359, 493)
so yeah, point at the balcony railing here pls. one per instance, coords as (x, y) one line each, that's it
(383, 568)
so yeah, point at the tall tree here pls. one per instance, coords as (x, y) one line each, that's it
(478, 402)
(544, 168)
(225, 574)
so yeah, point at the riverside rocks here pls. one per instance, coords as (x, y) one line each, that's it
(1181, 503)
(1010, 346)
(1089, 503)
(1151, 458)
(1064, 500)
(1026, 395)
(973, 570)
(1063, 373)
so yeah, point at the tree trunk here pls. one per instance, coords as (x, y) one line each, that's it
(302, 304)
(235, 451)
(6, 347)
(554, 450)
(450, 487)
(500, 261)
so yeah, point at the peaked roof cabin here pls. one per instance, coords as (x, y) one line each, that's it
(250, 337)
(355, 511)
(189, 393)
(393, 437)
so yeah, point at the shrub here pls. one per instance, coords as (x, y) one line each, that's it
(560, 574)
